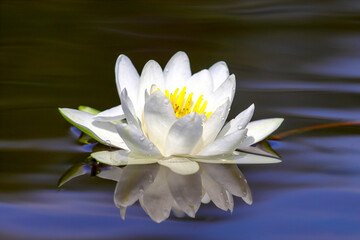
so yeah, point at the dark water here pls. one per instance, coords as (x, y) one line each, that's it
(296, 59)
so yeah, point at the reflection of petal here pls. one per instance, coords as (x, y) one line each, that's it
(122, 212)
(248, 198)
(73, 172)
(228, 176)
(177, 210)
(186, 190)
(157, 199)
(205, 199)
(180, 166)
(133, 182)
(231, 201)
(215, 191)
(111, 173)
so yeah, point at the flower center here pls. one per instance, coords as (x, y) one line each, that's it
(184, 106)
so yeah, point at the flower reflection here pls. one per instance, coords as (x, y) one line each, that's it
(161, 191)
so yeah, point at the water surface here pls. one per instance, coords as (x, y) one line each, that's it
(297, 60)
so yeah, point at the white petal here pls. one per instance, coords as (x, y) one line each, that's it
(151, 75)
(112, 114)
(121, 158)
(225, 145)
(133, 181)
(104, 132)
(261, 148)
(180, 166)
(159, 116)
(129, 110)
(219, 72)
(136, 141)
(228, 176)
(239, 158)
(184, 135)
(215, 122)
(260, 129)
(157, 199)
(126, 77)
(200, 83)
(177, 71)
(239, 122)
(225, 90)
(215, 191)
(186, 190)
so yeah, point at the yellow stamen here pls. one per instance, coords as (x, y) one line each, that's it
(183, 106)
(173, 97)
(187, 107)
(197, 104)
(202, 109)
(179, 102)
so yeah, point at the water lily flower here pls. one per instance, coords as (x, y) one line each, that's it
(174, 118)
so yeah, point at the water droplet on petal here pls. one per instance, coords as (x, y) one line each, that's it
(142, 138)
(151, 146)
(239, 127)
(166, 101)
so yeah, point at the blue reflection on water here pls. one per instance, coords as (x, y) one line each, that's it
(313, 194)
(296, 60)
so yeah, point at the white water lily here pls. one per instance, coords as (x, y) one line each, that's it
(174, 118)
